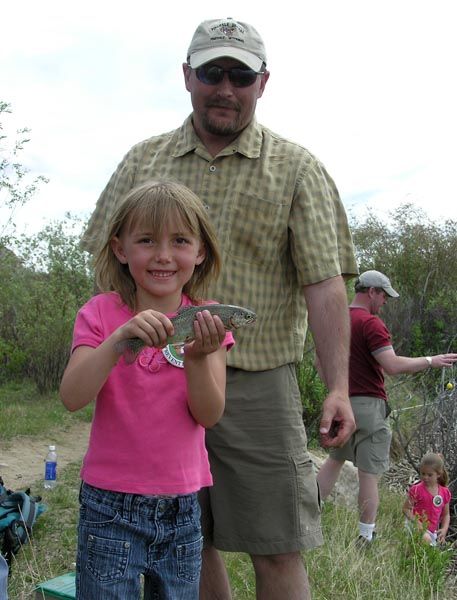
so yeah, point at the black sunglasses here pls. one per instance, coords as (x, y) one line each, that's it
(238, 76)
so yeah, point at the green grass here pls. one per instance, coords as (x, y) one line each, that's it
(398, 567)
(51, 551)
(24, 412)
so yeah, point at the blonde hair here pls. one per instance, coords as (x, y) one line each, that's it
(436, 462)
(152, 204)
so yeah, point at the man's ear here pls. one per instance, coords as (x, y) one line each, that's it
(187, 71)
(263, 82)
(118, 249)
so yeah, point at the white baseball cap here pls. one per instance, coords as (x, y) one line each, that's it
(226, 37)
(378, 280)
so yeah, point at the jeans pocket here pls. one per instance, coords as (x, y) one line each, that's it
(190, 560)
(97, 516)
(107, 559)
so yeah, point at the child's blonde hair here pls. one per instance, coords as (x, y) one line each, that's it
(436, 462)
(151, 205)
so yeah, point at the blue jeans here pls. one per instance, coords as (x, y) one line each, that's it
(122, 536)
(3, 579)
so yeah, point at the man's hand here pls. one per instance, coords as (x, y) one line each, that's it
(337, 421)
(443, 360)
(328, 318)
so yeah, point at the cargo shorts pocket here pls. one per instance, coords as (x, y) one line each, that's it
(378, 456)
(307, 497)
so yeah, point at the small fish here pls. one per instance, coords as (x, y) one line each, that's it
(231, 316)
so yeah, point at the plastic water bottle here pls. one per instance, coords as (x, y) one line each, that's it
(50, 471)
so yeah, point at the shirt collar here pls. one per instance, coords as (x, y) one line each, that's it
(248, 143)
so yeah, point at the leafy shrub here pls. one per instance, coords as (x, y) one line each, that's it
(42, 290)
(12, 362)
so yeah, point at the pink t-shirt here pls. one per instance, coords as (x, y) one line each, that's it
(429, 508)
(143, 438)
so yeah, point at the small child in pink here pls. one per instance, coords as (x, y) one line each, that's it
(146, 461)
(428, 500)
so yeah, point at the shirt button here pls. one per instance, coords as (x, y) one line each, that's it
(212, 168)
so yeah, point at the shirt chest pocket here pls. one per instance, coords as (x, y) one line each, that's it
(258, 229)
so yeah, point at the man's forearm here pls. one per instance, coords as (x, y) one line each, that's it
(394, 365)
(328, 318)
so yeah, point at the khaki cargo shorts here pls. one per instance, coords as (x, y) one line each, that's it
(265, 497)
(368, 448)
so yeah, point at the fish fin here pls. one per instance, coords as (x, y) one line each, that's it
(130, 356)
(128, 350)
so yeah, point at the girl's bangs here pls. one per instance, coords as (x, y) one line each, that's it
(153, 217)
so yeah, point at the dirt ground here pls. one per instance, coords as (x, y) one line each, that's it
(22, 462)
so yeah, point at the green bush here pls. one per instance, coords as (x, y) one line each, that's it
(12, 362)
(44, 282)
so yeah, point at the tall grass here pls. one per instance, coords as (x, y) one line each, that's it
(51, 550)
(397, 567)
(25, 412)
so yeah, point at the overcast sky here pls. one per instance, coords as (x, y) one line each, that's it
(367, 86)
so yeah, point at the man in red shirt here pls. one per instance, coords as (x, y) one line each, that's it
(371, 354)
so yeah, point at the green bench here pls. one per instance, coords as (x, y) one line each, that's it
(59, 587)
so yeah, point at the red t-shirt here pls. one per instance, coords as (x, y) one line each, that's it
(368, 334)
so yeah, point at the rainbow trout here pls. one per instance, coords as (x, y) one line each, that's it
(231, 316)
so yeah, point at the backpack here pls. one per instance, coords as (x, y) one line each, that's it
(18, 513)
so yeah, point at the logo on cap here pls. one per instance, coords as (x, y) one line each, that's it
(227, 29)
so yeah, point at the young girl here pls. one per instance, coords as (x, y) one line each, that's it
(146, 458)
(428, 500)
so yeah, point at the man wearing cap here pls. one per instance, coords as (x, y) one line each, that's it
(371, 355)
(286, 249)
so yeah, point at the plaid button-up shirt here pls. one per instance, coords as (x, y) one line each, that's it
(280, 225)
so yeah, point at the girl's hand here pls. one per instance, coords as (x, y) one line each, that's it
(151, 326)
(441, 535)
(209, 335)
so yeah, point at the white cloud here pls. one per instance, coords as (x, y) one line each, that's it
(366, 86)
